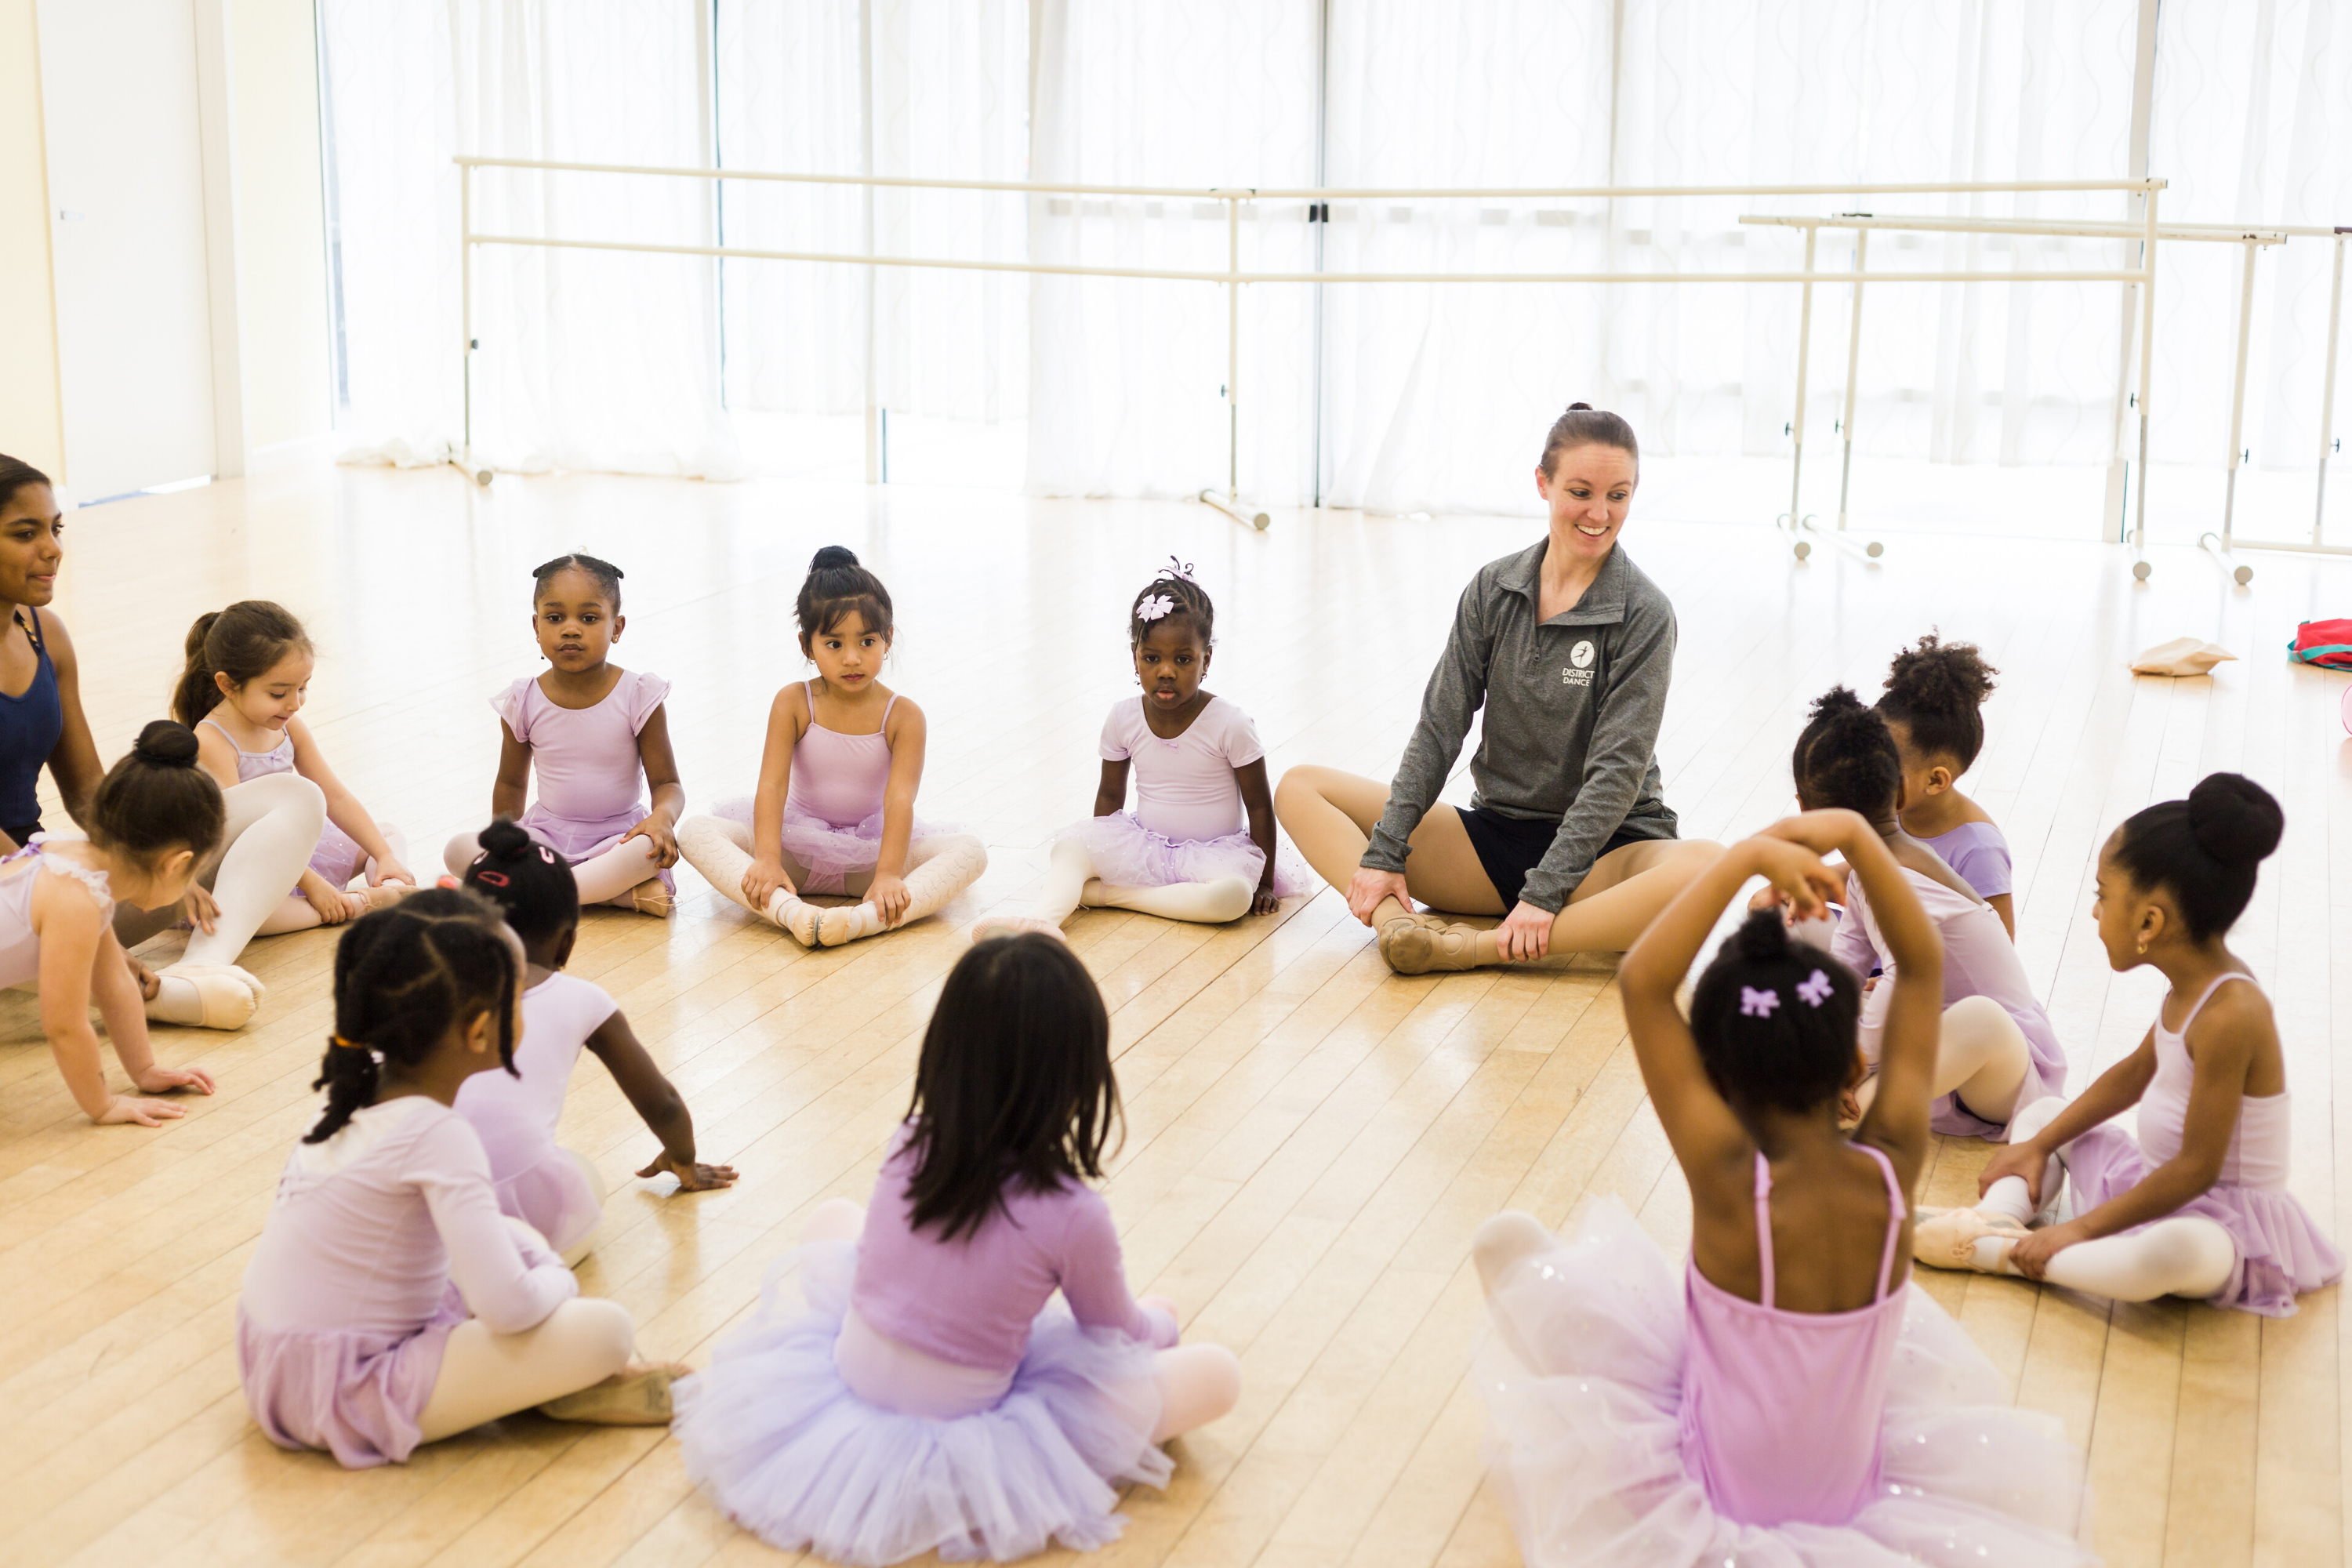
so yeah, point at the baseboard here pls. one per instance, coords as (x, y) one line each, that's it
(302, 452)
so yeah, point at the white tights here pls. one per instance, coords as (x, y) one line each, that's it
(1982, 1055)
(1070, 882)
(1197, 1384)
(485, 1376)
(938, 868)
(603, 878)
(2186, 1254)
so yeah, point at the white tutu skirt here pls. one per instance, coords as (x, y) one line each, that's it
(1128, 855)
(792, 1455)
(1589, 1458)
(829, 851)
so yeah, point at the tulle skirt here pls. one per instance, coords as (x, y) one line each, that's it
(552, 1196)
(830, 852)
(2282, 1251)
(794, 1456)
(577, 839)
(1128, 855)
(355, 1394)
(338, 858)
(1589, 1461)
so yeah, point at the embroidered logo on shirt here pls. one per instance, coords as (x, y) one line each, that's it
(1579, 665)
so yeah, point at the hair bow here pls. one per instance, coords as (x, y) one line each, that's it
(1816, 990)
(1153, 608)
(1755, 1004)
(1178, 569)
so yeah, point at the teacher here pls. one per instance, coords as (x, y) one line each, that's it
(1569, 649)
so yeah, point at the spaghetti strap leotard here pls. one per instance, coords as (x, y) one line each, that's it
(338, 857)
(20, 945)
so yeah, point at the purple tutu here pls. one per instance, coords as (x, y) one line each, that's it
(1128, 855)
(794, 1456)
(356, 1394)
(830, 852)
(338, 858)
(2282, 1251)
(576, 840)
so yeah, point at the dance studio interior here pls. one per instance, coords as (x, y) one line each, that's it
(1713, 643)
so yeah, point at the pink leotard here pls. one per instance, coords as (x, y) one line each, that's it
(338, 857)
(20, 947)
(590, 779)
(838, 778)
(1782, 1412)
(1185, 787)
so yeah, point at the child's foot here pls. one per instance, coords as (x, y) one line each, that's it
(1416, 944)
(383, 895)
(838, 928)
(796, 915)
(1014, 925)
(1950, 1238)
(637, 1395)
(651, 898)
(205, 996)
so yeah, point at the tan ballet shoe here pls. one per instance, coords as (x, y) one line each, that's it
(650, 898)
(839, 928)
(634, 1397)
(1947, 1238)
(1417, 945)
(796, 915)
(1014, 925)
(227, 995)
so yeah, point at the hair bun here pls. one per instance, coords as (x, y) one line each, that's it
(832, 556)
(2235, 820)
(504, 840)
(1835, 703)
(166, 744)
(1762, 938)
(1575, 406)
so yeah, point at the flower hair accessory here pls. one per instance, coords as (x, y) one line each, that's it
(1153, 608)
(1755, 1004)
(1816, 990)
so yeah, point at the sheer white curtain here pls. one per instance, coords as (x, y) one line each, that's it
(587, 359)
(1439, 394)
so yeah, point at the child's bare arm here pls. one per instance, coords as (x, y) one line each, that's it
(1258, 800)
(509, 792)
(658, 1103)
(343, 807)
(1110, 794)
(661, 777)
(66, 921)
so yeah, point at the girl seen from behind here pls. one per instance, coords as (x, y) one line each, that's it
(927, 1396)
(1790, 1397)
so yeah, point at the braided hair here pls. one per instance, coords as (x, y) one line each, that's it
(1937, 689)
(405, 976)
(1846, 757)
(1170, 593)
(604, 573)
(837, 588)
(1775, 1021)
(528, 882)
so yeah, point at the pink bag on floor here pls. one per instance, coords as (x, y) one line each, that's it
(2328, 644)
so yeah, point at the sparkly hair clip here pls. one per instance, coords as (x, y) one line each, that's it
(1816, 990)
(1153, 608)
(1755, 1004)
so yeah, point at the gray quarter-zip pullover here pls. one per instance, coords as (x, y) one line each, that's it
(1572, 706)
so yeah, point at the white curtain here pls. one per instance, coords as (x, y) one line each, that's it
(588, 359)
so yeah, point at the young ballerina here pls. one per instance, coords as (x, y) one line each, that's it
(928, 1398)
(1790, 1398)
(595, 733)
(553, 1189)
(1997, 1051)
(2198, 1204)
(835, 813)
(1199, 844)
(152, 818)
(349, 1337)
(246, 679)
(1935, 694)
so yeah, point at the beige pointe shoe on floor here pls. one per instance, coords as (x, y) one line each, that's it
(634, 1397)
(225, 995)
(1417, 945)
(1947, 1238)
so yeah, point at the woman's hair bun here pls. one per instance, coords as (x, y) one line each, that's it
(2234, 820)
(832, 556)
(166, 744)
(504, 840)
(1574, 406)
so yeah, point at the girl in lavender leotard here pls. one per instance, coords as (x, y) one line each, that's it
(597, 736)
(1935, 694)
(1199, 844)
(835, 807)
(1790, 1398)
(2197, 1204)
(930, 1396)
(246, 679)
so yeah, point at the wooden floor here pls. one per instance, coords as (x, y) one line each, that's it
(1310, 1139)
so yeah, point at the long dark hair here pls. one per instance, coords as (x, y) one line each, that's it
(2204, 851)
(1014, 1085)
(156, 799)
(404, 976)
(244, 642)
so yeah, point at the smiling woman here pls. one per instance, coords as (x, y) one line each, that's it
(1567, 836)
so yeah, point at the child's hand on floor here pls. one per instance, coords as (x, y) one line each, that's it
(1265, 902)
(693, 1176)
(139, 1112)
(165, 1081)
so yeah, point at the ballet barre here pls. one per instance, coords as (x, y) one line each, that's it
(1233, 277)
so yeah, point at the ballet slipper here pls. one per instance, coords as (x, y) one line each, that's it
(1014, 925)
(838, 928)
(796, 915)
(634, 1397)
(1416, 944)
(224, 995)
(1947, 1238)
(650, 898)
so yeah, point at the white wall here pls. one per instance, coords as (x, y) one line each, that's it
(31, 426)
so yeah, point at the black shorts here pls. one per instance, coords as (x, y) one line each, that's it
(1508, 847)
